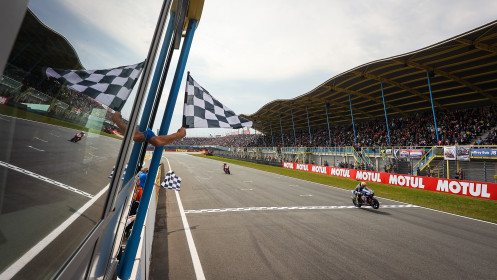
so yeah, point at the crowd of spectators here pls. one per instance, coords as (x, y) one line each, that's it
(461, 127)
(52, 89)
(242, 140)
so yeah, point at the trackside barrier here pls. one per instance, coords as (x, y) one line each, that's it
(458, 187)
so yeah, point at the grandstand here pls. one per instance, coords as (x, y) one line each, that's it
(441, 95)
(24, 84)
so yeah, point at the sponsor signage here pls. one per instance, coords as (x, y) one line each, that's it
(462, 153)
(450, 153)
(416, 153)
(484, 152)
(457, 187)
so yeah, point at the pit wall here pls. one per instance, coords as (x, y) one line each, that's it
(458, 187)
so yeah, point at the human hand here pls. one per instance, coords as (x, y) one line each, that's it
(181, 132)
(116, 116)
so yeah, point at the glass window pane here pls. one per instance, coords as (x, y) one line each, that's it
(58, 144)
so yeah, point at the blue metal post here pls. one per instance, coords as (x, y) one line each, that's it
(263, 138)
(328, 122)
(135, 153)
(385, 109)
(271, 128)
(126, 264)
(352, 115)
(309, 125)
(293, 125)
(432, 106)
(281, 128)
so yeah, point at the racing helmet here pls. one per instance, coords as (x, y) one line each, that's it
(363, 184)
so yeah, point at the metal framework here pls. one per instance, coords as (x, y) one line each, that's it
(463, 74)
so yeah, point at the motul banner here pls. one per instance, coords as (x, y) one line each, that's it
(459, 187)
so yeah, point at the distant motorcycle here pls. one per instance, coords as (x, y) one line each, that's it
(226, 169)
(367, 198)
(77, 137)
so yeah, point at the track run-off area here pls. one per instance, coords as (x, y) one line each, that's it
(258, 225)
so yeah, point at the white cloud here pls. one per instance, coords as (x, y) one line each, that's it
(283, 39)
(131, 23)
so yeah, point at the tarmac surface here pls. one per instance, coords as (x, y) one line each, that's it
(44, 180)
(258, 225)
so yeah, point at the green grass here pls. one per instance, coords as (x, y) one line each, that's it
(477, 208)
(18, 113)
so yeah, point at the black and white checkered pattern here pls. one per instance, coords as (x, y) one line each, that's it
(171, 181)
(114, 168)
(201, 110)
(110, 87)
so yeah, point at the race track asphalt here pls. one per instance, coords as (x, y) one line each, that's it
(44, 179)
(258, 225)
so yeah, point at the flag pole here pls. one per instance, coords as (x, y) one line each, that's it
(134, 240)
(107, 240)
(135, 153)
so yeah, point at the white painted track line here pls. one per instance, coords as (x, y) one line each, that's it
(12, 270)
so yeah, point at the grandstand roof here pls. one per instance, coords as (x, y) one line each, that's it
(38, 46)
(462, 71)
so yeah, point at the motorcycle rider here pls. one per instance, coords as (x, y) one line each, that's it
(225, 166)
(78, 136)
(358, 191)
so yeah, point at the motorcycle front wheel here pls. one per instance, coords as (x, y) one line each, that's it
(375, 204)
(355, 203)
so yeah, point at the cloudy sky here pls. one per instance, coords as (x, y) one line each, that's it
(248, 53)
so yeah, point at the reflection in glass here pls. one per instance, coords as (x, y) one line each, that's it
(52, 190)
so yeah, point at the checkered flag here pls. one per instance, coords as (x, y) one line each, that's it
(110, 87)
(203, 110)
(172, 181)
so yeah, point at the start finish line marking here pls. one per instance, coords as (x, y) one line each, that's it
(202, 211)
(43, 178)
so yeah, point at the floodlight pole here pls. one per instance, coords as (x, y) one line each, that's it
(385, 109)
(432, 106)
(328, 122)
(352, 115)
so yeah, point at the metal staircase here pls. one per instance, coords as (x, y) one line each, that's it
(424, 161)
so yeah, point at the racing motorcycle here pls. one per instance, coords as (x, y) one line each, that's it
(226, 169)
(367, 198)
(77, 137)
